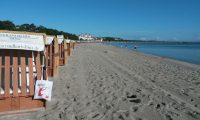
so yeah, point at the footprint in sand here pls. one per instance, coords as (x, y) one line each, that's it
(157, 106)
(194, 114)
(138, 90)
(133, 98)
(135, 108)
(168, 117)
(138, 118)
(121, 115)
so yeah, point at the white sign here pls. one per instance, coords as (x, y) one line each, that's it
(43, 89)
(60, 38)
(21, 41)
(67, 40)
(49, 40)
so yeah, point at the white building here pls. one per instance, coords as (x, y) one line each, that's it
(86, 37)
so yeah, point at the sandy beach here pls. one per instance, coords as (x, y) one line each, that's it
(102, 82)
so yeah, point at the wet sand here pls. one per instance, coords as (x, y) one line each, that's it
(102, 82)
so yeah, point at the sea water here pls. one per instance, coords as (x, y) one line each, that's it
(188, 52)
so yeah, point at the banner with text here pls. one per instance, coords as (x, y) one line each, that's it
(21, 41)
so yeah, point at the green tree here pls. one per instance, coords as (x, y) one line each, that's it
(7, 25)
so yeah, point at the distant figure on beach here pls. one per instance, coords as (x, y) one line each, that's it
(135, 47)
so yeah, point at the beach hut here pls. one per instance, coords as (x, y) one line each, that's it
(73, 44)
(21, 64)
(62, 50)
(52, 55)
(68, 46)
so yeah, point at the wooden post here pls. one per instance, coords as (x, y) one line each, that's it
(38, 66)
(68, 49)
(65, 52)
(15, 74)
(23, 73)
(31, 79)
(0, 69)
(56, 57)
(61, 57)
(7, 74)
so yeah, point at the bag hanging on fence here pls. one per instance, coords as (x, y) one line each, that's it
(43, 89)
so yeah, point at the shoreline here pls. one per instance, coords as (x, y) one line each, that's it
(158, 56)
(105, 82)
(167, 59)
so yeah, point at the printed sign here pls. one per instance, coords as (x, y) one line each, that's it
(49, 40)
(60, 38)
(21, 41)
(43, 89)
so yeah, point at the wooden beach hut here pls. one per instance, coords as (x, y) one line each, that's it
(68, 46)
(21, 64)
(62, 50)
(52, 55)
(72, 45)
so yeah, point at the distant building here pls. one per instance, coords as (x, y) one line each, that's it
(86, 37)
(99, 40)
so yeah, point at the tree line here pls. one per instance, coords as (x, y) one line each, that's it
(8, 25)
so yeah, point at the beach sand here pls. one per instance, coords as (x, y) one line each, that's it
(102, 82)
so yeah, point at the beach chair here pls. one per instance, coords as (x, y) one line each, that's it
(52, 55)
(21, 64)
(62, 50)
(72, 45)
(68, 46)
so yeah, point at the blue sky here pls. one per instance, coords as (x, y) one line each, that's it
(128, 19)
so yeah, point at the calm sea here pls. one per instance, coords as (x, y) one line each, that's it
(188, 52)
